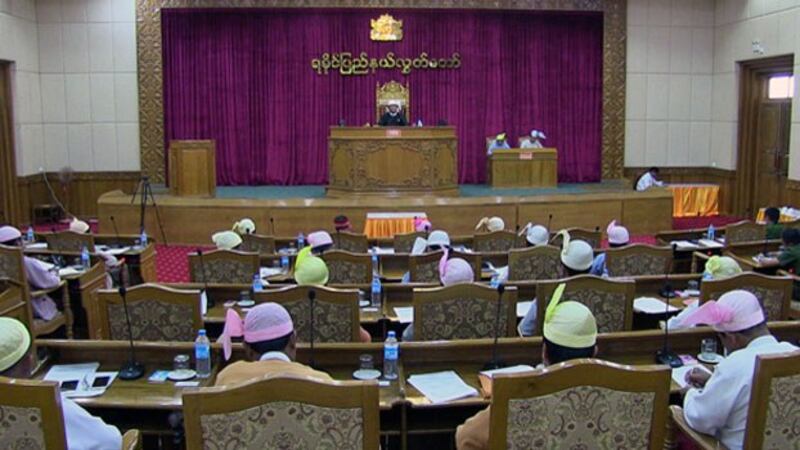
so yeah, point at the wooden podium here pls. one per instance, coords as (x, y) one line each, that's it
(524, 167)
(392, 161)
(192, 168)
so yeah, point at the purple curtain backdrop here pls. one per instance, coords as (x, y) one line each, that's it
(244, 78)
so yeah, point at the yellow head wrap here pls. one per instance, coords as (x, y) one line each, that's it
(722, 267)
(310, 269)
(14, 342)
(501, 137)
(569, 324)
(226, 240)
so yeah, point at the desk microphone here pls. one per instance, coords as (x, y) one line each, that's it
(494, 363)
(132, 370)
(116, 231)
(209, 302)
(549, 222)
(312, 296)
(665, 355)
(272, 225)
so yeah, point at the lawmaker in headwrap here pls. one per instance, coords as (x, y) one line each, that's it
(437, 240)
(535, 235)
(618, 236)
(244, 226)
(226, 240)
(394, 116)
(39, 276)
(570, 332)
(535, 140)
(490, 224)
(499, 142)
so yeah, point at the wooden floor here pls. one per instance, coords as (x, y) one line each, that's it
(193, 220)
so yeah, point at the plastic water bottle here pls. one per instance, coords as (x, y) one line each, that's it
(391, 353)
(711, 234)
(495, 280)
(202, 355)
(143, 239)
(375, 272)
(258, 285)
(301, 241)
(376, 292)
(285, 263)
(30, 236)
(85, 261)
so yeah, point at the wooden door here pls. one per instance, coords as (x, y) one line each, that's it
(772, 137)
(8, 172)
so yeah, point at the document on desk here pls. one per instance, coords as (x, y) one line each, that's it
(679, 373)
(112, 251)
(649, 305)
(708, 243)
(440, 387)
(685, 245)
(68, 272)
(405, 314)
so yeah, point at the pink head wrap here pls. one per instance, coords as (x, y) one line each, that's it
(617, 234)
(735, 311)
(264, 322)
(9, 233)
(422, 224)
(319, 238)
(454, 271)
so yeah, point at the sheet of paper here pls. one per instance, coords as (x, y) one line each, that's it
(383, 250)
(204, 303)
(679, 373)
(37, 246)
(708, 243)
(405, 314)
(513, 369)
(440, 387)
(88, 389)
(116, 251)
(68, 271)
(685, 245)
(267, 272)
(649, 305)
(82, 373)
(523, 308)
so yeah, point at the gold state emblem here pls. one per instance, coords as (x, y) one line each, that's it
(386, 28)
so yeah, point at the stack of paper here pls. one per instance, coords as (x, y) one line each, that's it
(486, 376)
(649, 305)
(440, 387)
(710, 244)
(405, 314)
(685, 245)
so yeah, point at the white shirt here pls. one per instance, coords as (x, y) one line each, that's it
(720, 409)
(87, 432)
(647, 181)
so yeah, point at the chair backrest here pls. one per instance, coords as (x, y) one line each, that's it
(611, 301)
(744, 231)
(474, 259)
(92, 281)
(30, 415)
(336, 313)
(774, 293)
(774, 401)
(594, 404)
(463, 311)
(638, 259)
(593, 237)
(496, 241)
(284, 412)
(12, 266)
(535, 263)
(425, 268)
(403, 243)
(158, 313)
(69, 241)
(224, 267)
(351, 242)
(348, 268)
(257, 243)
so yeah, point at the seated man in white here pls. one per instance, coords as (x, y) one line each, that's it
(84, 431)
(717, 404)
(535, 140)
(499, 142)
(648, 180)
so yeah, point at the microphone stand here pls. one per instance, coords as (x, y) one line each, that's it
(665, 355)
(116, 232)
(209, 302)
(272, 225)
(312, 296)
(132, 370)
(494, 363)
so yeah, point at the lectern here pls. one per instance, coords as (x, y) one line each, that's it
(523, 167)
(192, 168)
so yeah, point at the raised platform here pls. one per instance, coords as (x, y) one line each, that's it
(193, 220)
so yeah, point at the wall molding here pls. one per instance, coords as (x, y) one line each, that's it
(150, 70)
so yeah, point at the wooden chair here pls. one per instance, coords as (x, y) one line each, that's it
(638, 259)
(772, 411)
(494, 242)
(31, 417)
(535, 263)
(69, 241)
(266, 413)
(744, 231)
(351, 242)
(474, 259)
(593, 237)
(626, 405)
(348, 268)
(462, 311)
(12, 302)
(224, 267)
(257, 243)
(403, 243)
(89, 284)
(12, 269)
(336, 312)
(158, 313)
(425, 268)
(611, 301)
(774, 293)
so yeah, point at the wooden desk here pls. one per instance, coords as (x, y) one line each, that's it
(392, 161)
(524, 167)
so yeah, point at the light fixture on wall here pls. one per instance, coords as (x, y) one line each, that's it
(758, 49)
